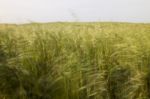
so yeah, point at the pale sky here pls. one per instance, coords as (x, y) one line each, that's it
(18, 11)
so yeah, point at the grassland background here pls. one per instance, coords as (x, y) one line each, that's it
(75, 61)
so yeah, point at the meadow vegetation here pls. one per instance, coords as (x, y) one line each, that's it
(75, 61)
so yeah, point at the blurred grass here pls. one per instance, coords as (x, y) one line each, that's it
(75, 61)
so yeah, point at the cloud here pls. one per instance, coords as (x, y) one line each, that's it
(86, 10)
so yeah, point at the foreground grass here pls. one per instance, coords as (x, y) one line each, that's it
(75, 61)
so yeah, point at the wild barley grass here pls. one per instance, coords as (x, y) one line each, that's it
(75, 61)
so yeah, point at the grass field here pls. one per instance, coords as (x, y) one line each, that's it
(75, 61)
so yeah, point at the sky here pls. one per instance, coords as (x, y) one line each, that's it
(20, 11)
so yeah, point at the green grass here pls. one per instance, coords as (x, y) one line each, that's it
(75, 61)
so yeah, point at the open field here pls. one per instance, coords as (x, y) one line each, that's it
(75, 61)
